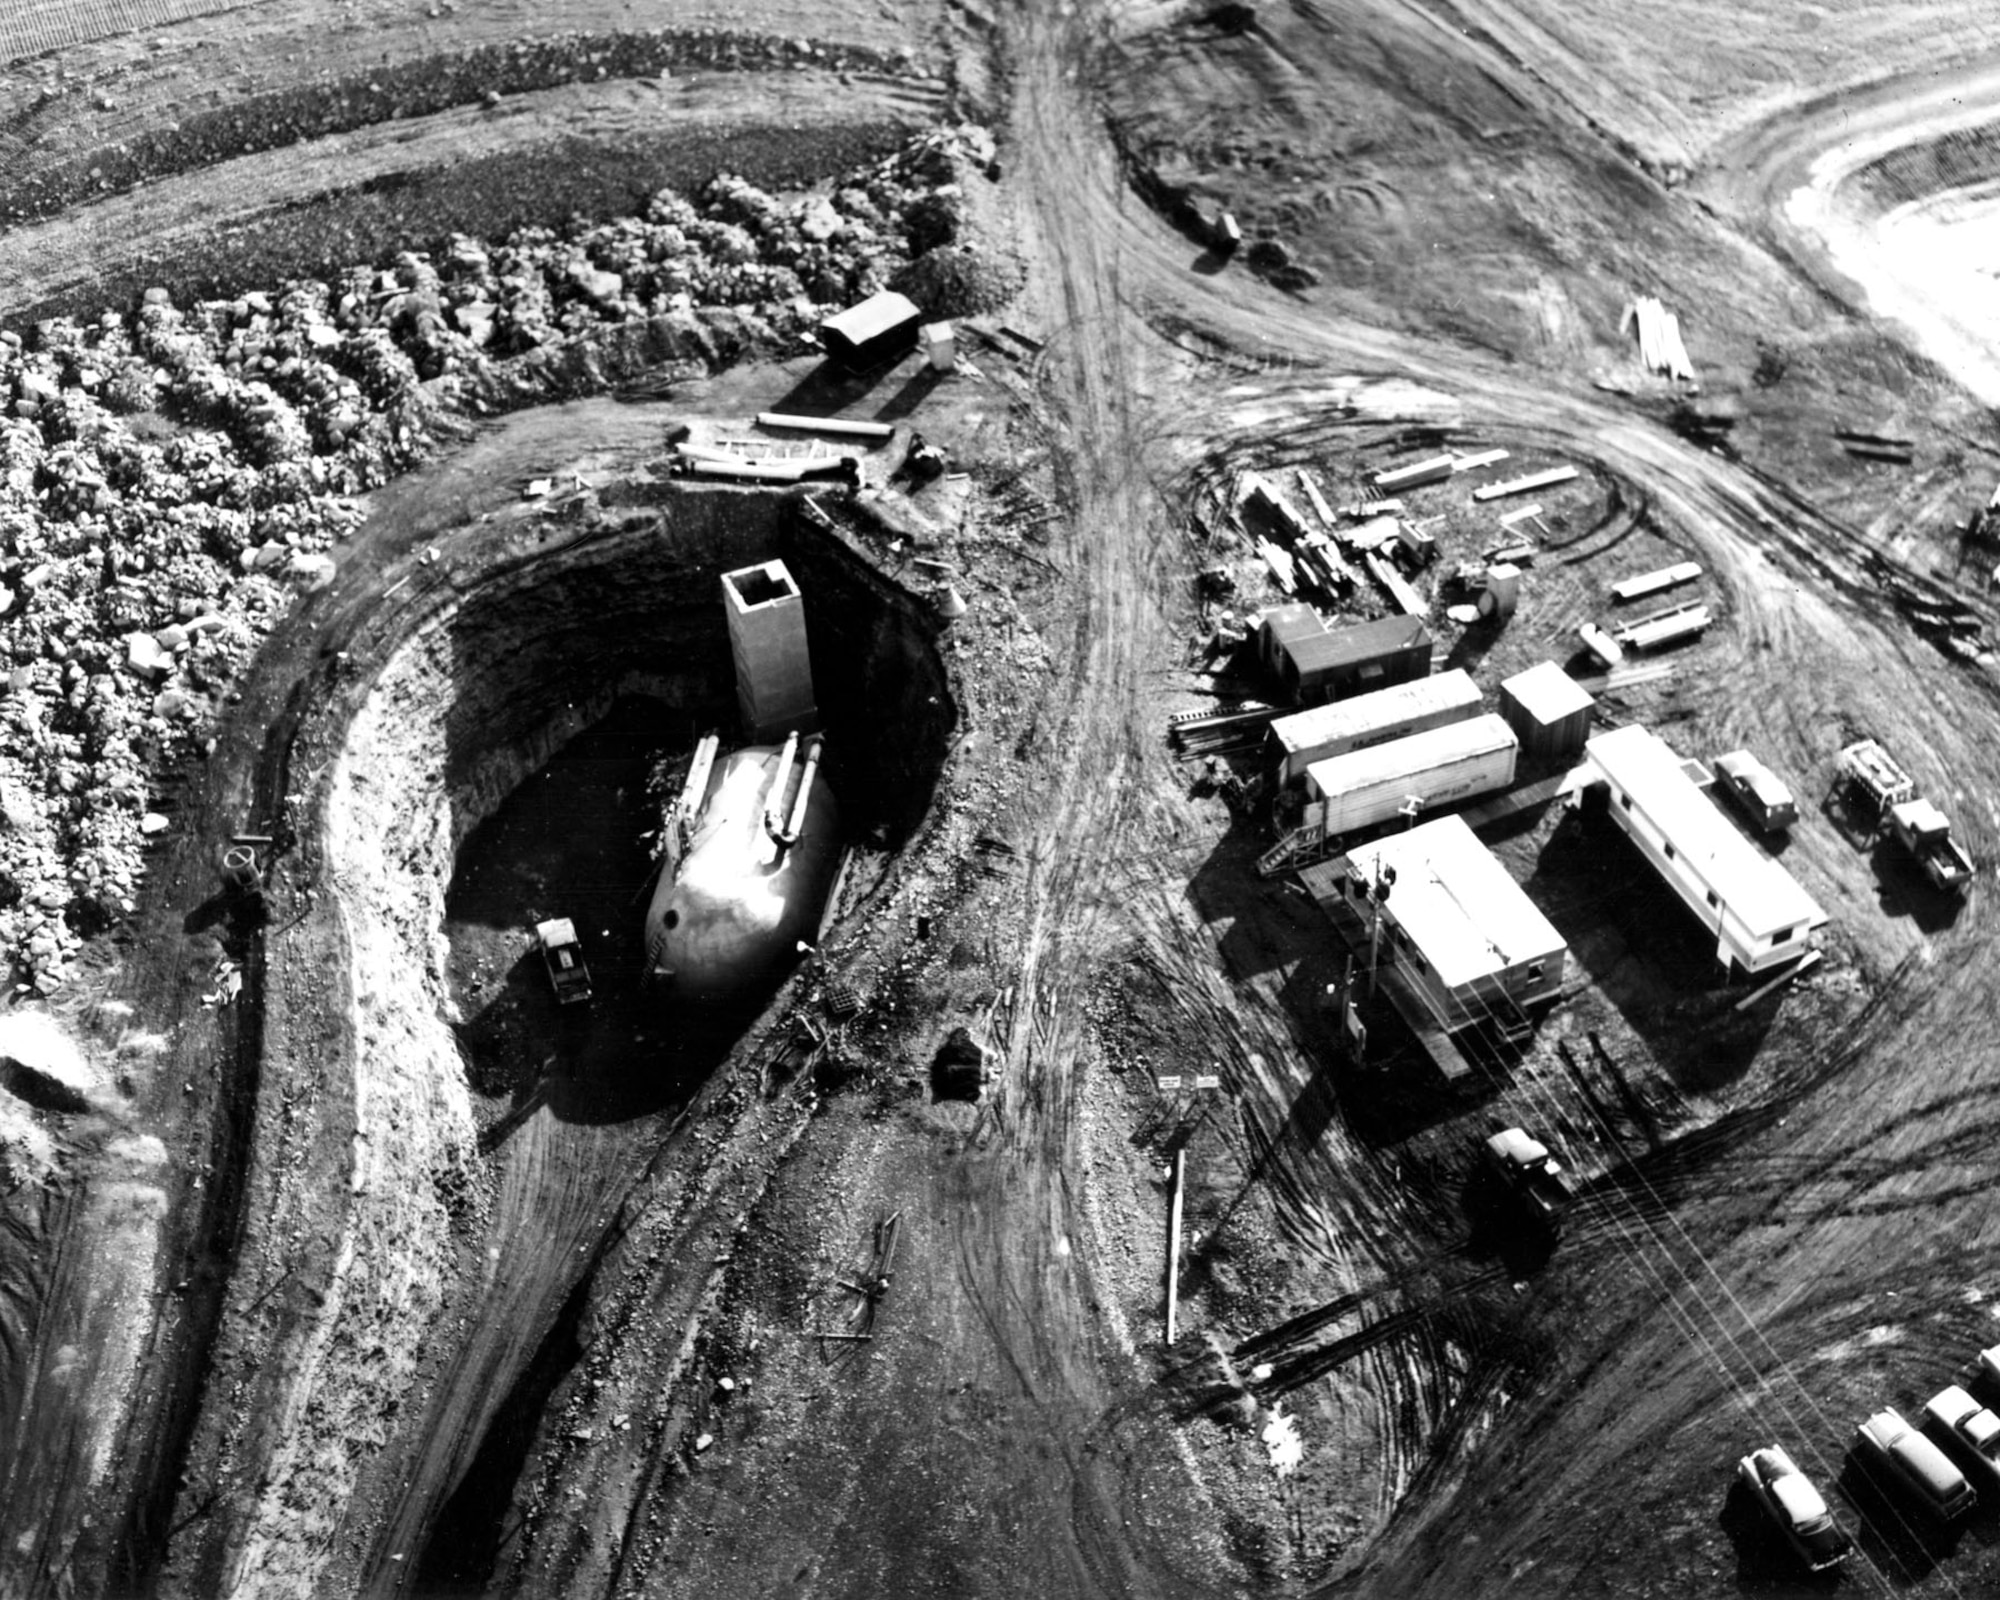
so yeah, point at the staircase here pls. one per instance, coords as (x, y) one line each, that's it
(1301, 847)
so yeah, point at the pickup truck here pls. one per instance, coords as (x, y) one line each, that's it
(1921, 829)
(1524, 1164)
(563, 956)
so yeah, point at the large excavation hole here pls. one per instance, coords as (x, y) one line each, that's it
(494, 774)
(497, 775)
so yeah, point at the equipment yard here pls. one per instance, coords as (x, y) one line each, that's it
(704, 891)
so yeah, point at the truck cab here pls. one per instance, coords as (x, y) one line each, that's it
(1534, 1176)
(563, 956)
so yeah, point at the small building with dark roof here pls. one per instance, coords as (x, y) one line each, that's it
(865, 335)
(1278, 626)
(1338, 662)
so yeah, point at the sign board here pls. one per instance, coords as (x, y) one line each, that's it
(1168, 1082)
(1207, 1080)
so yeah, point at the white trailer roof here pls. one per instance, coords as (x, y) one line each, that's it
(1342, 719)
(1761, 893)
(1547, 693)
(1458, 905)
(1418, 752)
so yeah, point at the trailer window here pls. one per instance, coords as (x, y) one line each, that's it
(1625, 800)
(1668, 846)
(1780, 937)
(1712, 899)
(1534, 971)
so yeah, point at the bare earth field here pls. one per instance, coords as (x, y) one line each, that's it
(346, 1262)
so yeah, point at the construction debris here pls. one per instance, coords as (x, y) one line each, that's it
(1637, 588)
(1433, 470)
(1660, 346)
(1527, 485)
(840, 425)
(1876, 446)
(1666, 627)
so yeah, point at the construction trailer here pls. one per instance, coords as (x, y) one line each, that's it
(1411, 775)
(1463, 939)
(1548, 710)
(877, 329)
(1755, 909)
(1304, 737)
(1337, 662)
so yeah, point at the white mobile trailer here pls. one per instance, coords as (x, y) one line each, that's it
(1334, 729)
(1433, 768)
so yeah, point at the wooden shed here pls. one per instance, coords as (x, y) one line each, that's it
(878, 328)
(1548, 710)
(1339, 662)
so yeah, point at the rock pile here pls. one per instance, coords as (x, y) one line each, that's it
(169, 478)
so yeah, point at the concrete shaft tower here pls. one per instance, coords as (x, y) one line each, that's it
(767, 636)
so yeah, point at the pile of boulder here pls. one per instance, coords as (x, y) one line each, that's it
(172, 476)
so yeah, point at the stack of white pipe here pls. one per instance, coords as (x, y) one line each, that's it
(1660, 344)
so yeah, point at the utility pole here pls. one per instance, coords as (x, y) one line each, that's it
(1378, 892)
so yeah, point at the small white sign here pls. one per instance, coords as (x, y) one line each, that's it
(1207, 1080)
(1168, 1082)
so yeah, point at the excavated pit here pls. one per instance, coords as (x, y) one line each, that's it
(569, 653)
(1913, 225)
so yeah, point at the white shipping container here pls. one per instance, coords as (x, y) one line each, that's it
(1369, 719)
(1436, 767)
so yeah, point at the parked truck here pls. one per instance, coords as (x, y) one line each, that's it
(563, 956)
(1873, 776)
(1524, 1164)
(1922, 829)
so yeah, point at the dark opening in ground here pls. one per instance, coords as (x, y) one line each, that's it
(958, 1072)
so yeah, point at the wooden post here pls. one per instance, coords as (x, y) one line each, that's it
(1174, 1241)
